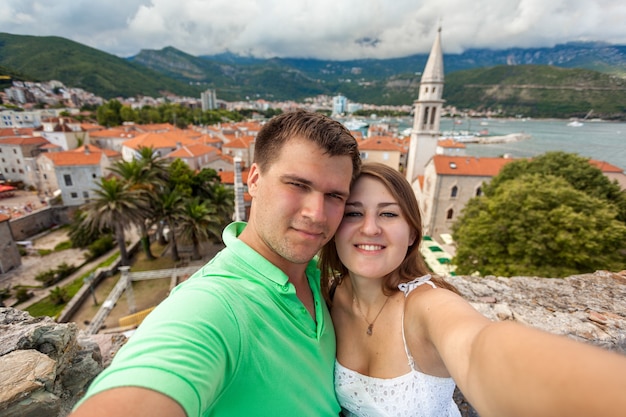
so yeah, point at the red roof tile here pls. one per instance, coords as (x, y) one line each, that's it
(380, 143)
(470, 166)
(605, 166)
(30, 140)
(451, 144)
(228, 177)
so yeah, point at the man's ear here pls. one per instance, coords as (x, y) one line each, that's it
(253, 179)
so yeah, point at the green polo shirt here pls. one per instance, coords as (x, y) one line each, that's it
(234, 340)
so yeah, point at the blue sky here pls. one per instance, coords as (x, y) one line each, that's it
(324, 29)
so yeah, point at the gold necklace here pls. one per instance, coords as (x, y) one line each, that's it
(370, 327)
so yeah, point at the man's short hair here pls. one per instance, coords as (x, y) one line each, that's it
(328, 134)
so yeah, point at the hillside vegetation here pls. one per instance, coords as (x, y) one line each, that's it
(539, 91)
(77, 65)
(474, 79)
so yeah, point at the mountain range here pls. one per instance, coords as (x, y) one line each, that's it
(563, 81)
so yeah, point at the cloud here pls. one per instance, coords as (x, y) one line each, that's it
(326, 29)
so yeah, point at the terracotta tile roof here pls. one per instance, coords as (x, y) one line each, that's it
(4, 218)
(605, 166)
(358, 135)
(51, 146)
(159, 140)
(469, 166)
(228, 177)
(380, 143)
(156, 127)
(451, 144)
(229, 137)
(115, 132)
(91, 127)
(94, 149)
(194, 150)
(248, 126)
(70, 158)
(208, 139)
(16, 131)
(227, 158)
(239, 143)
(30, 140)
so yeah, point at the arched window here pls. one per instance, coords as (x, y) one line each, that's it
(454, 191)
(426, 110)
(432, 116)
(479, 191)
(449, 214)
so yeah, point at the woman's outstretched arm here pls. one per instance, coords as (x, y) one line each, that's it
(509, 369)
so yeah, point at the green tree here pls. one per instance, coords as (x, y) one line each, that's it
(127, 114)
(198, 222)
(147, 175)
(59, 295)
(208, 186)
(116, 207)
(109, 113)
(224, 200)
(80, 234)
(181, 178)
(538, 224)
(575, 169)
(168, 207)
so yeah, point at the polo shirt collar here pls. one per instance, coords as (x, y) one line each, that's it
(253, 258)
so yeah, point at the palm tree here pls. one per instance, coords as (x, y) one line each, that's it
(208, 186)
(169, 205)
(116, 207)
(148, 175)
(224, 201)
(198, 222)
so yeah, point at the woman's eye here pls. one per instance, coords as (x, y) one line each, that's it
(389, 214)
(351, 214)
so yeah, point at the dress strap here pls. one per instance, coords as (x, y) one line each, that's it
(406, 288)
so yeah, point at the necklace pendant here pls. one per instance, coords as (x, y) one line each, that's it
(370, 329)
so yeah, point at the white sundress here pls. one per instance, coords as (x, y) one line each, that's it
(412, 394)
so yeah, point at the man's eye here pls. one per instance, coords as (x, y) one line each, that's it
(337, 197)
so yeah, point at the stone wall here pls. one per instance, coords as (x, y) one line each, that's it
(46, 366)
(39, 221)
(588, 307)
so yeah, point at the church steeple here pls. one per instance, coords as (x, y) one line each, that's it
(433, 72)
(428, 108)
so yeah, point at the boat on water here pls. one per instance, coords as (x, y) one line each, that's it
(355, 124)
(578, 123)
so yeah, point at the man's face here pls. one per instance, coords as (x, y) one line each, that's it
(298, 203)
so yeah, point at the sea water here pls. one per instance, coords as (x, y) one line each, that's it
(604, 141)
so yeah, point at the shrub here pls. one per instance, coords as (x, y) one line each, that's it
(101, 246)
(63, 246)
(47, 278)
(22, 295)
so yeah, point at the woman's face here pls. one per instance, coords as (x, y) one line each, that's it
(373, 237)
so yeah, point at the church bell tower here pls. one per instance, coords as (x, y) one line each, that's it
(427, 117)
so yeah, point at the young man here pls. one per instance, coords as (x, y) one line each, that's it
(249, 333)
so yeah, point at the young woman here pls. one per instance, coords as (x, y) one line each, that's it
(404, 337)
